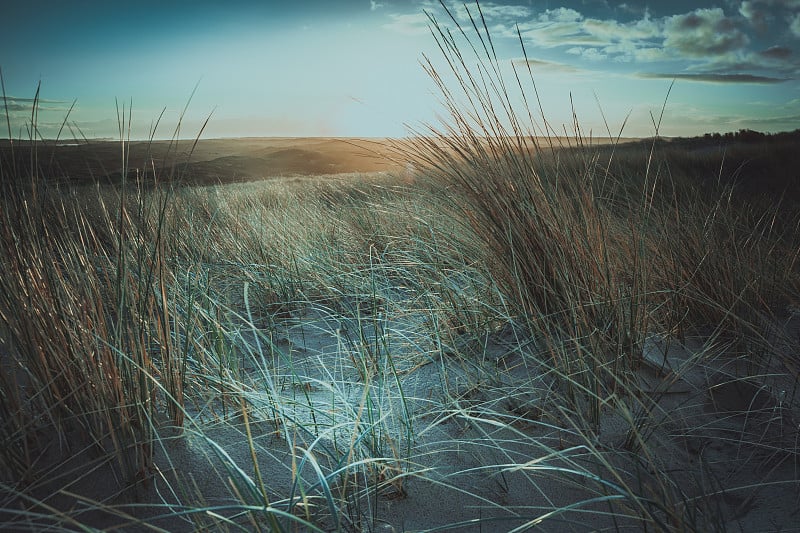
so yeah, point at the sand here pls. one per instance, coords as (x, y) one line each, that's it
(478, 459)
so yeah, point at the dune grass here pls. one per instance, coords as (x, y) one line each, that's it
(315, 353)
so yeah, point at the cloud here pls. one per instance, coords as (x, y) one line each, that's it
(761, 14)
(713, 78)
(560, 15)
(703, 33)
(590, 54)
(706, 44)
(695, 121)
(794, 25)
(540, 64)
(413, 24)
(633, 9)
(13, 106)
(755, 14)
(490, 10)
(595, 38)
(708, 39)
(557, 27)
(778, 122)
(776, 62)
(776, 52)
(31, 100)
(373, 5)
(16, 104)
(500, 16)
(615, 31)
(494, 13)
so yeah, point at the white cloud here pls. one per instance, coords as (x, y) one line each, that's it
(373, 5)
(596, 38)
(649, 54)
(557, 27)
(491, 11)
(561, 14)
(497, 16)
(540, 64)
(591, 54)
(614, 31)
(413, 24)
(635, 10)
(794, 25)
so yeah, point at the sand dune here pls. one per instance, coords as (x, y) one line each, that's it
(219, 160)
(213, 160)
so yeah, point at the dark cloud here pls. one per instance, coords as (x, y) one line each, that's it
(773, 62)
(763, 13)
(703, 33)
(714, 78)
(780, 122)
(755, 13)
(776, 52)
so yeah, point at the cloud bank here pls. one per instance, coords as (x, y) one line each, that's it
(749, 41)
(713, 78)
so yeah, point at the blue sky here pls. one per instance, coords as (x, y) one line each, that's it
(352, 67)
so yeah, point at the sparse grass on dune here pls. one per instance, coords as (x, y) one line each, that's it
(524, 335)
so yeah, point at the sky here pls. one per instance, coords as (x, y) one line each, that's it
(353, 67)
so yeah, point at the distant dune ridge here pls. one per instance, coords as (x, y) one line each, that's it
(222, 160)
(213, 160)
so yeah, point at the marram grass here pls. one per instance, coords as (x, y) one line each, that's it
(337, 353)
